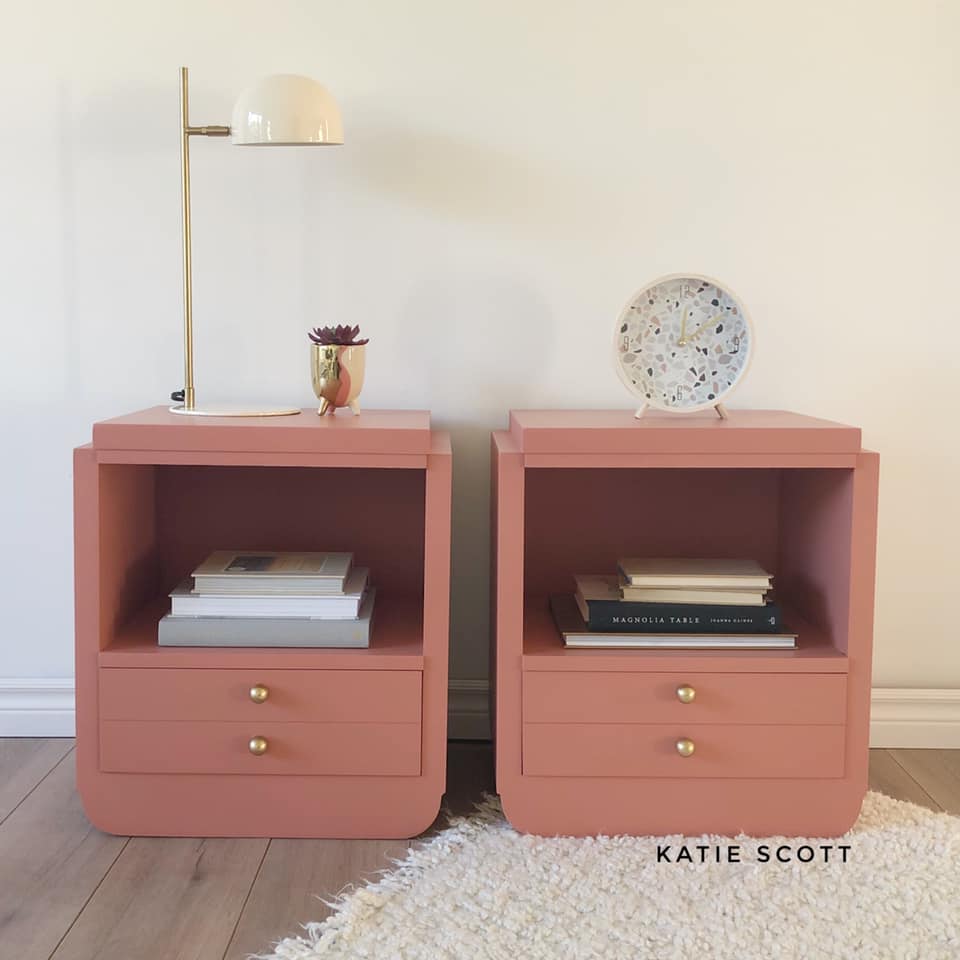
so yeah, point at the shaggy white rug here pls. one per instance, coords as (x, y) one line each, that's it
(481, 891)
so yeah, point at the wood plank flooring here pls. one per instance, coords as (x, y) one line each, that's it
(23, 764)
(69, 892)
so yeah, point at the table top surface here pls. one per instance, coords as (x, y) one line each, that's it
(371, 431)
(619, 431)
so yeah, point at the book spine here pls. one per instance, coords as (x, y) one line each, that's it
(625, 616)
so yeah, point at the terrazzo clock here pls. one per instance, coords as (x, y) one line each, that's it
(683, 343)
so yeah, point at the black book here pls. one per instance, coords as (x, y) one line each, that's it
(608, 614)
(575, 634)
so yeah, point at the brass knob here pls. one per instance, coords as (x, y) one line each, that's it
(685, 747)
(258, 746)
(259, 693)
(686, 694)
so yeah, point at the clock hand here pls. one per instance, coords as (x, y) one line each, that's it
(682, 342)
(703, 326)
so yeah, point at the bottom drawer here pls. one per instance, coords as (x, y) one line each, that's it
(372, 749)
(650, 750)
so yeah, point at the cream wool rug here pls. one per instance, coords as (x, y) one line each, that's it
(481, 891)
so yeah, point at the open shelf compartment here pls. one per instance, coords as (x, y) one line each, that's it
(160, 521)
(796, 522)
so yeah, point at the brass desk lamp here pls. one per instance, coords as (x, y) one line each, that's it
(280, 110)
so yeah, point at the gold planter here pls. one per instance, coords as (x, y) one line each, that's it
(337, 376)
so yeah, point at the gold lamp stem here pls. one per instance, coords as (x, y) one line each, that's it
(188, 393)
(186, 132)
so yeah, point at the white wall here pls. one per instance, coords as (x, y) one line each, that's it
(513, 172)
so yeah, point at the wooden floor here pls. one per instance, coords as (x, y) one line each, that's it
(70, 892)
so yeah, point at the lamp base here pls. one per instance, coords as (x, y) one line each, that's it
(234, 410)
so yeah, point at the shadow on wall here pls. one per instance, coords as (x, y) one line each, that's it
(470, 558)
(493, 322)
(466, 180)
(484, 336)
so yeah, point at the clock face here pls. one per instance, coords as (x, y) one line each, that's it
(682, 343)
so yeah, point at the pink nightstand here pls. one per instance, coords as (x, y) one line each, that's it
(586, 739)
(356, 738)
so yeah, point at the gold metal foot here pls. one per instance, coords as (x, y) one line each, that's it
(721, 411)
(640, 411)
(355, 407)
(324, 407)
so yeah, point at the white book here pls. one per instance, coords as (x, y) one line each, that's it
(694, 573)
(186, 602)
(261, 572)
(719, 597)
(681, 641)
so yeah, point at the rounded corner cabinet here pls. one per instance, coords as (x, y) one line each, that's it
(609, 741)
(261, 741)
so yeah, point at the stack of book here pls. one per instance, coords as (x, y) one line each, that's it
(257, 599)
(681, 603)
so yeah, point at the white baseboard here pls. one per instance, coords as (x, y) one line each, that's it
(36, 707)
(469, 710)
(907, 717)
(904, 717)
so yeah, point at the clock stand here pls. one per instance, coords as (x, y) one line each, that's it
(720, 410)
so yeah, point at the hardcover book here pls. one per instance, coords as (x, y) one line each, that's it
(602, 609)
(339, 606)
(575, 633)
(743, 598)
(260, 572)
(695, 572)
(268, 631)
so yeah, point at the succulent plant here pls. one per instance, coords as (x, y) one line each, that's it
(342, 335)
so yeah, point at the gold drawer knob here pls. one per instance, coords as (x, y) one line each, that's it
(686, 694)
(685, 747)
(258, 746)
(259, 693)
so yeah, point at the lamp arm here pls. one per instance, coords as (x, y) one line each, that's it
(208, 131)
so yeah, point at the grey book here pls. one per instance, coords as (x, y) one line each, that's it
(268, 631)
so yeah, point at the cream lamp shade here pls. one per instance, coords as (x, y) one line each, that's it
(286, 110)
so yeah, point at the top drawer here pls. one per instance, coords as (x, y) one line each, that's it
(385, 696)
(768, 698)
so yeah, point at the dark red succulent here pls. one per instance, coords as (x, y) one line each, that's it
(342, 335)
